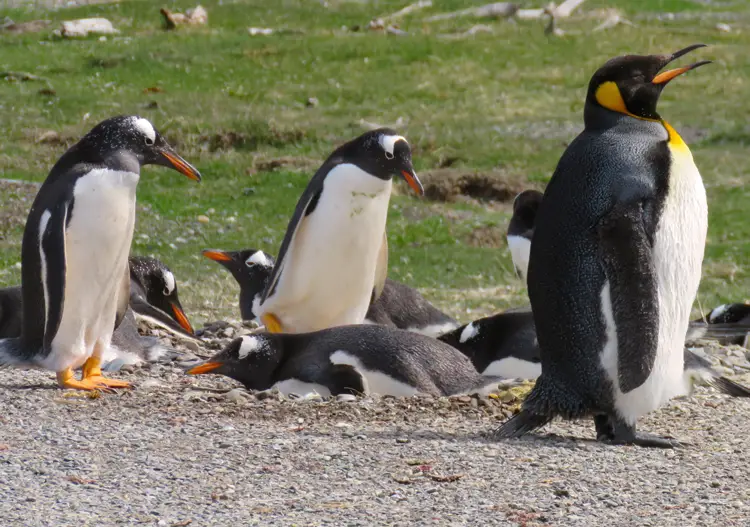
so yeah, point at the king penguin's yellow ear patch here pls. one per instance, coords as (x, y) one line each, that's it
(609, 96)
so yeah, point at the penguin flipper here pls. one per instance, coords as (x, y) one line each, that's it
(53, 258)
(625, 241)
(381, 270)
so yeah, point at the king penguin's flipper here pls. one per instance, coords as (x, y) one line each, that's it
(625, 239)
(306, 204)
(381, 270)
(51, 234)
(520, 424)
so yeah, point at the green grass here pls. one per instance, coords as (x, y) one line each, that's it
(509, 101)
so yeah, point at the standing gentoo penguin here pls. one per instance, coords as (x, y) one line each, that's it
(75, 277)
(521, 229)
(618, 243)
(398, 306)
(361, 358)
(334, 257)
(153, 295)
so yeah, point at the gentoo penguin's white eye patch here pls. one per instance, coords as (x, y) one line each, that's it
(169, 283)
(146, 128)
(249, 345)
(388, 142)
(258, 258)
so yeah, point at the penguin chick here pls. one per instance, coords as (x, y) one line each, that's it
(618, 242)
(398, 306)
(74, 256)
(360, 358)
(153, 295)
(521, 229)
(334, 257)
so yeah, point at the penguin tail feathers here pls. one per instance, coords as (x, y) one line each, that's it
(520, 424)
(729, 387)
(11, 353)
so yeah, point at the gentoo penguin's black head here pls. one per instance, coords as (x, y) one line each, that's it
(160, 287)
(631, 84)
(525, 207)
(127, 142)
(251, 268)
(251, 360)
(382, 153)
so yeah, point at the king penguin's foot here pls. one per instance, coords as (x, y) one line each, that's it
(613, 431)
(92, 372)
(272, 323)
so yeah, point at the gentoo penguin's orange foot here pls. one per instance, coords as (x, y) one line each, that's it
(272, 323)
(103, 382)
(66, 380)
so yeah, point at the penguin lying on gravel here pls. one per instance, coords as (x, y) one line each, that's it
(398, 306)
(505, 345)
(355, 358)
(728, 324)
(333, 260)
(74, 258)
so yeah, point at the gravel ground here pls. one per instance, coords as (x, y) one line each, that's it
(181, 450)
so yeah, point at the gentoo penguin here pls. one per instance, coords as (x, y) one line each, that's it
(728, 323)
(398, 305)
(505, 345)
(74, 256)
(618, 243)
(153, 295)
(521, 229)
(127, 346)
(334, 257)
(361, 358)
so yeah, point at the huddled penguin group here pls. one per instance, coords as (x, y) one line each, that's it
(611, 253)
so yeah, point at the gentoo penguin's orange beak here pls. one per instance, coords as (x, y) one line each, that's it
(182, 319)
(411, 178)
(666, 76)
(216, 255)
(180, 165)
(206, 367)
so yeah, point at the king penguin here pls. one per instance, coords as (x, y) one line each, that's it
(616, 260)
(398, 306)
(334, 257)
(521, 229)
(75, 277)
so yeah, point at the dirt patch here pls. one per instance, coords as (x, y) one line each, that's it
(486, 236)
(451, 185)
(262, 134)
(289, 163)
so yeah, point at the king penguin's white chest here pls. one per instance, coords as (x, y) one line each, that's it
(97, 244)
(329, 274)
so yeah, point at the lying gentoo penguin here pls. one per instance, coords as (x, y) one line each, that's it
(505, 345)
(153, 295)
(521, 229)
(398, 305)
(334, 257)
(74, 257)
(728, 324)
(619, 243)
(360, 358)
(127, 346)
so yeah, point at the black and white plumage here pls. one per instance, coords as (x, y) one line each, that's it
(334, 257)
(75, 277)
(355, 358)
(521, 229)
(127, 346)
(398, 305)
(618, 243)
(154, 296)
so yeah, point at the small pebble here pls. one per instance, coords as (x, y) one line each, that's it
(203, 219)
(346, 398)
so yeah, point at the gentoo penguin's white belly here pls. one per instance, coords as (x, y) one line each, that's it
(374, 381)
(520, 248)
(329, 270)
(678, 255)
(97, 244)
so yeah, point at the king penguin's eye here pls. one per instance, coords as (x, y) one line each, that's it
(388, 155)
(149, 141)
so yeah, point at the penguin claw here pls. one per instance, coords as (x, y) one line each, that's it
(642, 440)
